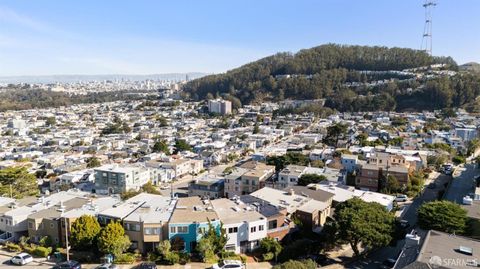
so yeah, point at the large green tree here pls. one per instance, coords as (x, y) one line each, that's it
(112, 239)
(362, 224)
(306, 179)
(84, 232)
(18, 182)
(334, 133)
(182, 145)
(443, 216)
(93, 162)
(161, 146)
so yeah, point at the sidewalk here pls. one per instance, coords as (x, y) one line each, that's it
(43, 263)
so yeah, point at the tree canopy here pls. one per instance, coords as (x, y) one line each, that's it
(360, 223)
(442, 216)
(306, 179)
(18, 182)
(346, 76)
(84, 232)
(112, 239)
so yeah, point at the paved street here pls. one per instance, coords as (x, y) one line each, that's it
(462, 184)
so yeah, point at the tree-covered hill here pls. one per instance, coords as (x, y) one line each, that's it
(350, 78)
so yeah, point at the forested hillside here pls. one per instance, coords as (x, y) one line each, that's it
(19, 98)
(350, 78)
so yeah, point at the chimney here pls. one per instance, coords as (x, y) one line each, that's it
(291, 192)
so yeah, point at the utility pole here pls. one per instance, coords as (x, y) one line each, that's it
(66, 240)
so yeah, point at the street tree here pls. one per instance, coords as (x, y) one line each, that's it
(112, 239)
(363, 224)
(442, 216)
(84, 232)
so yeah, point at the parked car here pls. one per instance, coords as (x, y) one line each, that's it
(21, 259)
(146, 265)
(68, 265)
(401, 198)
(228, 264)
(404, 224)
(107, 266)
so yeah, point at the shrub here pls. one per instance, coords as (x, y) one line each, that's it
(12, 247)
(80, 256)
(42, 252)
(125, 258)
(184, 258)
(171, 258)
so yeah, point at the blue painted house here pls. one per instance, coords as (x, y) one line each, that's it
(189, 221)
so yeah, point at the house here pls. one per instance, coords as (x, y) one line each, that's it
(233, 182)
(94, 206)
(312, 213)
(207, 186)
(47, 222)
(349, 162)
(147, 225)
(342, 193)
(14, 216)
(110, 179)
(290, 175)
(278, 225)
(368, 178)
(247, 178)
(245, 227)
(190, 219)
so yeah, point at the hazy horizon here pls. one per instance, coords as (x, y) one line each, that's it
(46, 38)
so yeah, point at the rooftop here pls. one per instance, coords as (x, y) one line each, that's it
(193, 209)
(447, 247)
(231, 212)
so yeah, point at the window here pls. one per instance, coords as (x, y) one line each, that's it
(253, 229)
(30, 225)
(51, 225)
(233, 230)
(150, 231)
(182, 229)
(260, 228)
(114, 181)
(173, 229)
(201, 230)
(272, 224)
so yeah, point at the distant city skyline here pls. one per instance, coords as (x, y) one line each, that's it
(91, 37)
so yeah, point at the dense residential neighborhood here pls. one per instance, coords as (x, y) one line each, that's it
(235, 135)
(179, 175)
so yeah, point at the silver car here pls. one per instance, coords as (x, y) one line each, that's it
(22, 259)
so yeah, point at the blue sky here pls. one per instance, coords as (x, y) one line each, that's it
(44, 37)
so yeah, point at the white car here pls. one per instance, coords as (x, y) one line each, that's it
(229, 264)
(21, 259)
(401, 198)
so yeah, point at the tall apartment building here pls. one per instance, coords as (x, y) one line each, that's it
(219, 106)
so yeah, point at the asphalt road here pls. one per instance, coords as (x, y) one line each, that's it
(462, 184)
